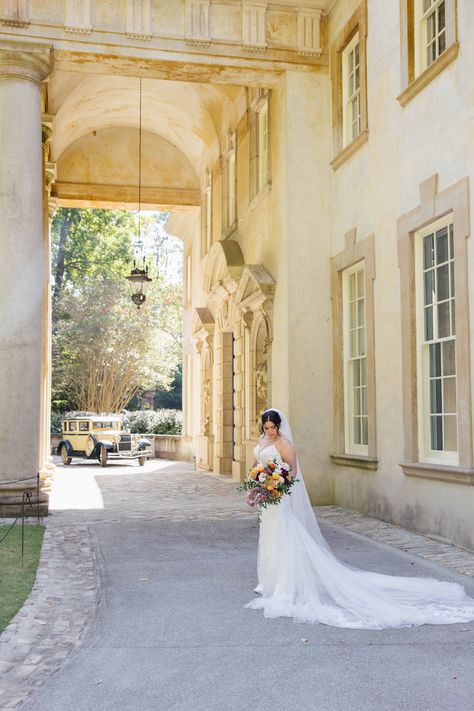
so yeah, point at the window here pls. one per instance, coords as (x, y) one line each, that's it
(436, 351)
(351, 120)
(431, 24)
(349, 87)
(428, 42)
(352, 295)
(207, 215)
(72, 426)
(436, 330)
(229, 194)
(259, 141)
(355, 361)
(83, 427)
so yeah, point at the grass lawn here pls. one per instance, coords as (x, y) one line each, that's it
(16, 580)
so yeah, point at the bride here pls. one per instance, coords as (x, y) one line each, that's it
(299, 576)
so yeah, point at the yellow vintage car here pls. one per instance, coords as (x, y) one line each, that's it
(100, 437)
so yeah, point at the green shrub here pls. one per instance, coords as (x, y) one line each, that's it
(154, 421)
(140, 422)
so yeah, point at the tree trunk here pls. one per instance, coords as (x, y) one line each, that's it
(68, 218)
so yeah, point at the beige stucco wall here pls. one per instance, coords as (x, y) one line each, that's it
(195, 91)
(432, 134)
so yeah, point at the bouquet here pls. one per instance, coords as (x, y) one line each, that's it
(266, 483)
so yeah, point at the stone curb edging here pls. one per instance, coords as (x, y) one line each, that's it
(448, 555)
(55, 617)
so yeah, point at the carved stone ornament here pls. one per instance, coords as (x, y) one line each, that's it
(78, 16)
(138, 19)
(254, 25)
(309, 32)
(15, 13)
(198, 22)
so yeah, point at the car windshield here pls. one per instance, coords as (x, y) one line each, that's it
(107, 425)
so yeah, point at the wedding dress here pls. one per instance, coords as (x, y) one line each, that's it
(299, 576)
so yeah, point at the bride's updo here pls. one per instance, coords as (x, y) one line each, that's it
(271, 416)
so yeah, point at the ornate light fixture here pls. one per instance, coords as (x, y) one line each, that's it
(138, 278)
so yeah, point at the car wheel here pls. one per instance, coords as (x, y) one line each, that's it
(141, 461)
(103, 457)
(65, 458)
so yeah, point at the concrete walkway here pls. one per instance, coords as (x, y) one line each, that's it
(139, 606)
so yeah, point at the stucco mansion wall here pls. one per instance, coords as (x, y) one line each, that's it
(432, 134)
(261, 314)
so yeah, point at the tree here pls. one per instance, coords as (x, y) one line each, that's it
(89, 243)
(106, 350)
(172, 398)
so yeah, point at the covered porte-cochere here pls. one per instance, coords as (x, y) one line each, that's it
(225, 125)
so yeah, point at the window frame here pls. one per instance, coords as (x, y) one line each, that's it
(433, 206)
(347, 97)
(354, 253)
(206, 223)
(259, 108)
(351, 447)
(357, 24)
(416, 73)
(426, 453)
(229, 184)
(421, 33)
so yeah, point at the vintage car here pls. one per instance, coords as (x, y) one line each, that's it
(100, 437)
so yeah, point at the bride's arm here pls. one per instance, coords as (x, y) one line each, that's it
(288, 454)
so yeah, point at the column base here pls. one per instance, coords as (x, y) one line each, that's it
(11, 502)
(204, 450)
(238, 471)
(47, 472)
(222, 465)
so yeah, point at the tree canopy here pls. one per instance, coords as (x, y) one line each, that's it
(105, 350)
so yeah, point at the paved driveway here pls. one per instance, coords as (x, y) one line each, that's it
(175, 554)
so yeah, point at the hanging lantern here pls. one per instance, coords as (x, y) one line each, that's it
(138, 278)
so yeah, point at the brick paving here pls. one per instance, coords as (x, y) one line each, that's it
(62, 606)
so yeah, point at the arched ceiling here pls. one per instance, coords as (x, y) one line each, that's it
(187, 115)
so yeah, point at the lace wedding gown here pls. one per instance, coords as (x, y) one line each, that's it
(299, 576)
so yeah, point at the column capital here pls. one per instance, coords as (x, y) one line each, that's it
(25, 60)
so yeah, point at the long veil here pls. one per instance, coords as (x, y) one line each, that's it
(300, 577)
(301, 505)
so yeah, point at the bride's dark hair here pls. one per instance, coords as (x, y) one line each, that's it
(271, 416)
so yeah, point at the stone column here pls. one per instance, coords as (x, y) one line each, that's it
(23, 282)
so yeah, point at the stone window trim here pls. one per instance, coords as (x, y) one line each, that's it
(434, 205)
(355, 251)
(355, 460)
(206, 213)
(356, 24)
(410, 83)
(259, 99)
(230, 151)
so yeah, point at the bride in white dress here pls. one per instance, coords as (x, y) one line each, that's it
(299, 576)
